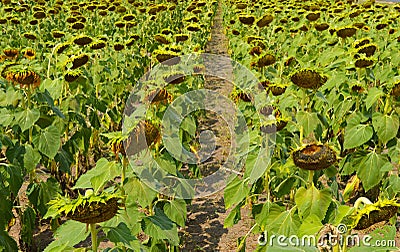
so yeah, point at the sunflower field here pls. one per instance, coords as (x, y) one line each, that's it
(74, 72)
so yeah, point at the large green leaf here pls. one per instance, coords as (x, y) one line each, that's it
(54, 87)
(235, 192)
(357, 135)
(160, 227)
(67, 235)
(308, 120)
(284, 223)
(373, 95)
(313, 202)
(310, 226)
(28, 225)
(6, 118)
(122, 234)
(176, 211)
(139, 192)
(386, 126)
(369, 170)
(27, 118)
(48, 141)
(31, 158)
(96, 178)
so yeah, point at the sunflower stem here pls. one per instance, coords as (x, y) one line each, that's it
(93, 232)
(310, 177)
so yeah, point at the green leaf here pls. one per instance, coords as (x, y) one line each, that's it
(96, 178)
(27, 118)
(309, 121)
(285, 223)
(140, 192)
(31, 158)
(268, 212)
(235, 192)
(189, 125)
(370, 171)
(233, 217)
(67, 235)
(176, 211)
(313, 202)
(28, 225)
(373, 95)
(7, 117)
(357, 135)
(7, 243)
(48, 141)
(386, 126)
(122, 234)
(310, 226)
(53, 86)
(167, 163)
(378, 238)
(160, 227)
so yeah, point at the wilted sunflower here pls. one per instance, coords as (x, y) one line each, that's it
(11, 54)
(87, 209)
(246, 19)
(61, 47)
(128, 17)
(313, 16)
(277, 89)
(359, 25)
(26, 78)
(346, 32)
(379, 211)
(255, 50)
(98, 44)
(29, 53)
(307, 78)
(193, 27)
(266, 60)
(33, 22)
(199, 69)
(321, 27)
(364, 62)
(72, 75)
(314, 157)
(78, 61)
(30, 36)
(161, 38)
(181, 37)
(120, 24)
(39, 15)
(235, 32)
(78, 26)
(167, 57)
(57, 34)
(3, 21)
(381, 26)
(82, 40)
(368, 49)
(118, 47)
(265, 20)
(361, 42)
(241, 6)
(143, 135)
(159, 96)
(174, 78)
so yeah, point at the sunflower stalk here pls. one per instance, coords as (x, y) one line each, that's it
(93, 232)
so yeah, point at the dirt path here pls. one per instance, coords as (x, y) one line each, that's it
(205, 225)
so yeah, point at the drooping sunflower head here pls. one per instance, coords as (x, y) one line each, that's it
(313, 16)
(82, 40)
(363, 61)
(30, 36)
(29, 53)
(161, 38)
(308, 78)
(119, 47)
(167, 57)
(361, 42)
(265, 20)
(367, 49)
(321, 27)
(181, 37)
(97, 44)
(88, 209)
(72, 75)
(174, 78)
(26, 79)
(266, 59)
(193, 28)
(314, 157)
(247, 19)
(382, 210)
(346, 32)
(11, 53)
(57, 34)
(78, 61)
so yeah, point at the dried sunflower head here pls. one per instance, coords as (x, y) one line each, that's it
(321, 27)
(57, 34)
(174, 78)
(26, 78)
(82, 40)
(97, 44)
(87, 209)
(30, 36)
(382, 210)
(308, 78)
(119, 47)
(346, 32)
(181, 37)
(78, 61)
(368, 49)
(265, 20)
(72, 75)
(161, 38)
(193, 28)
(145, 134)
(314, 157)
(167, 57)
(246, 19)
(11, 54)
(364, 62)
(361, 42)
(266, 59)
(313, 16)
(159, 96)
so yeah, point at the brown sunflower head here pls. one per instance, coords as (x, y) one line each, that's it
(307, 78)
(265, 20)
(346, 32)
(167, 57)
(161, 38)
(82, 40)
(181, 37)
(247, 19)
(30, 36)
(255, 50)
(314, 157)
(158, 96)
(174, 78)
(118, 47)
(364, 62)
(321, 27)
(313, 16)
(27, 79)
(368, 49)
(79, 60)
(72, 75)
(39, 15)
(78, 25)
(361, 42)
(29, 53)
(396, 90)
(57, 34)
(266, 60)
(11, 54)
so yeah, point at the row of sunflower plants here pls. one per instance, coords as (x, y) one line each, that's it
(68, 68)
(330, 69)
